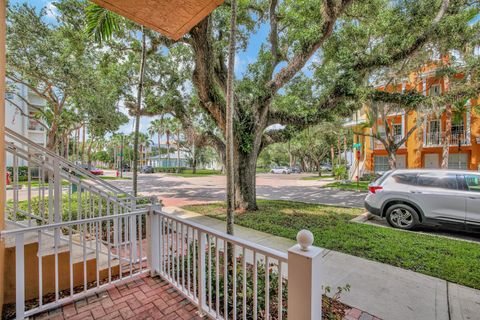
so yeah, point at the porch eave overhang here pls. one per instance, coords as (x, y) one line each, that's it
(172, 18)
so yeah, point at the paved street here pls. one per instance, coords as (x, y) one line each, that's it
(181, 191)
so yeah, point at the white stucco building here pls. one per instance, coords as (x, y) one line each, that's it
(16, 119)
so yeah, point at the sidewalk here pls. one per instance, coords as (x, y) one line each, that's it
(382, 290)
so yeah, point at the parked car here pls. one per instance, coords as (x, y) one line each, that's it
(126, 168)
(92, 170)
(96, 171)
(284, 170)
(409, 198)
(326, 167)
(147, 169)
(295, 170)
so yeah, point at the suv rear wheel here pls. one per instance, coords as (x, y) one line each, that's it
(402, 216)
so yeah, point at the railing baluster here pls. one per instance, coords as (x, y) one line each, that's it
(188, 259)
(225, 279)
(267, 288)
(255, 286)
(169, 249)
(217, 278)
(183, 256)
(201, 270)
(162, 246)
(98, 234)
(244, 270)
(56, 243)
(280, 291)
(234, 282)
(20, 276)
(209, 242)
(109, 253)
(70, 258)
(195, 261)
(84, 247)
(177, 246)
(40, 268)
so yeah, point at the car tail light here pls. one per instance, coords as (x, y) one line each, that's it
(373, 189)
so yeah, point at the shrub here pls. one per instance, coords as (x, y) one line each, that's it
(340, 172)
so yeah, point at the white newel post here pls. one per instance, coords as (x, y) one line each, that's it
(304, 279)
(153, 239)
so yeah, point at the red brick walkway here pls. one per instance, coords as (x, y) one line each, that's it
(142, 298)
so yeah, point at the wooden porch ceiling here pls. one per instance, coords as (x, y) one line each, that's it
(172, 18)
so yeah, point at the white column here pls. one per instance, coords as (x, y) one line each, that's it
(304, 279)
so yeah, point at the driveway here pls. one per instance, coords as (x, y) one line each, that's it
(179, 191)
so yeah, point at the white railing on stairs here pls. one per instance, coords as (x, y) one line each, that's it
(52, 185)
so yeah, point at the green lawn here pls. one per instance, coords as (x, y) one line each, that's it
(362, 185)
(188, 173)
(453, 260)
(114, 178)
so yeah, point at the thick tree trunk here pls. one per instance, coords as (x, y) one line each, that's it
(447, 134)
(245, 184)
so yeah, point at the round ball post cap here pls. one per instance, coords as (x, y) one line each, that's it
(304, 239)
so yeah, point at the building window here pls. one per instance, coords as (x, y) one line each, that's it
(9, 95)
(435, 90)
(397, 132)
(433, 135)
(458, 161)
(381, 164)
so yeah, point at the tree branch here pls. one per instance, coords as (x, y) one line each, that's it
(373, 62)
(332, 12)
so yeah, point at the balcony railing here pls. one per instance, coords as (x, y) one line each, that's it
(379, 145)
(435, 139)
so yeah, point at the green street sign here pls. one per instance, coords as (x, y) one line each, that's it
(357, 145)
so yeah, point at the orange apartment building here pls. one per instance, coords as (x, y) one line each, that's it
(423, 149)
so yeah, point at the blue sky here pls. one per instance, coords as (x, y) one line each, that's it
(242, 59)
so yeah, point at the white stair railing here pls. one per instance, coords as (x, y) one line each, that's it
(52, 187)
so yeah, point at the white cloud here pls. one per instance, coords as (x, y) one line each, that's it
(51, 10)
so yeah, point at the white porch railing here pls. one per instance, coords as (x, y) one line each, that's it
(58, 263)
(231, 278)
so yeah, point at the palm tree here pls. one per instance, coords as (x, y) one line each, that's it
(156, 127)
(102, 24)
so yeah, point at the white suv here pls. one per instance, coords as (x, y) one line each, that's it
(408, 198)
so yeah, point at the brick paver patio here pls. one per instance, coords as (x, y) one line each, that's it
(142, 298)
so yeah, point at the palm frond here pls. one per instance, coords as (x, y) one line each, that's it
(101, 23)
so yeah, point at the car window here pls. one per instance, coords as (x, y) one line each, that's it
(405, 178)
(382, 178)
(473, 182)
(444, 181)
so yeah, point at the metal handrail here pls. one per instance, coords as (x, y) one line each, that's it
(70, 165)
